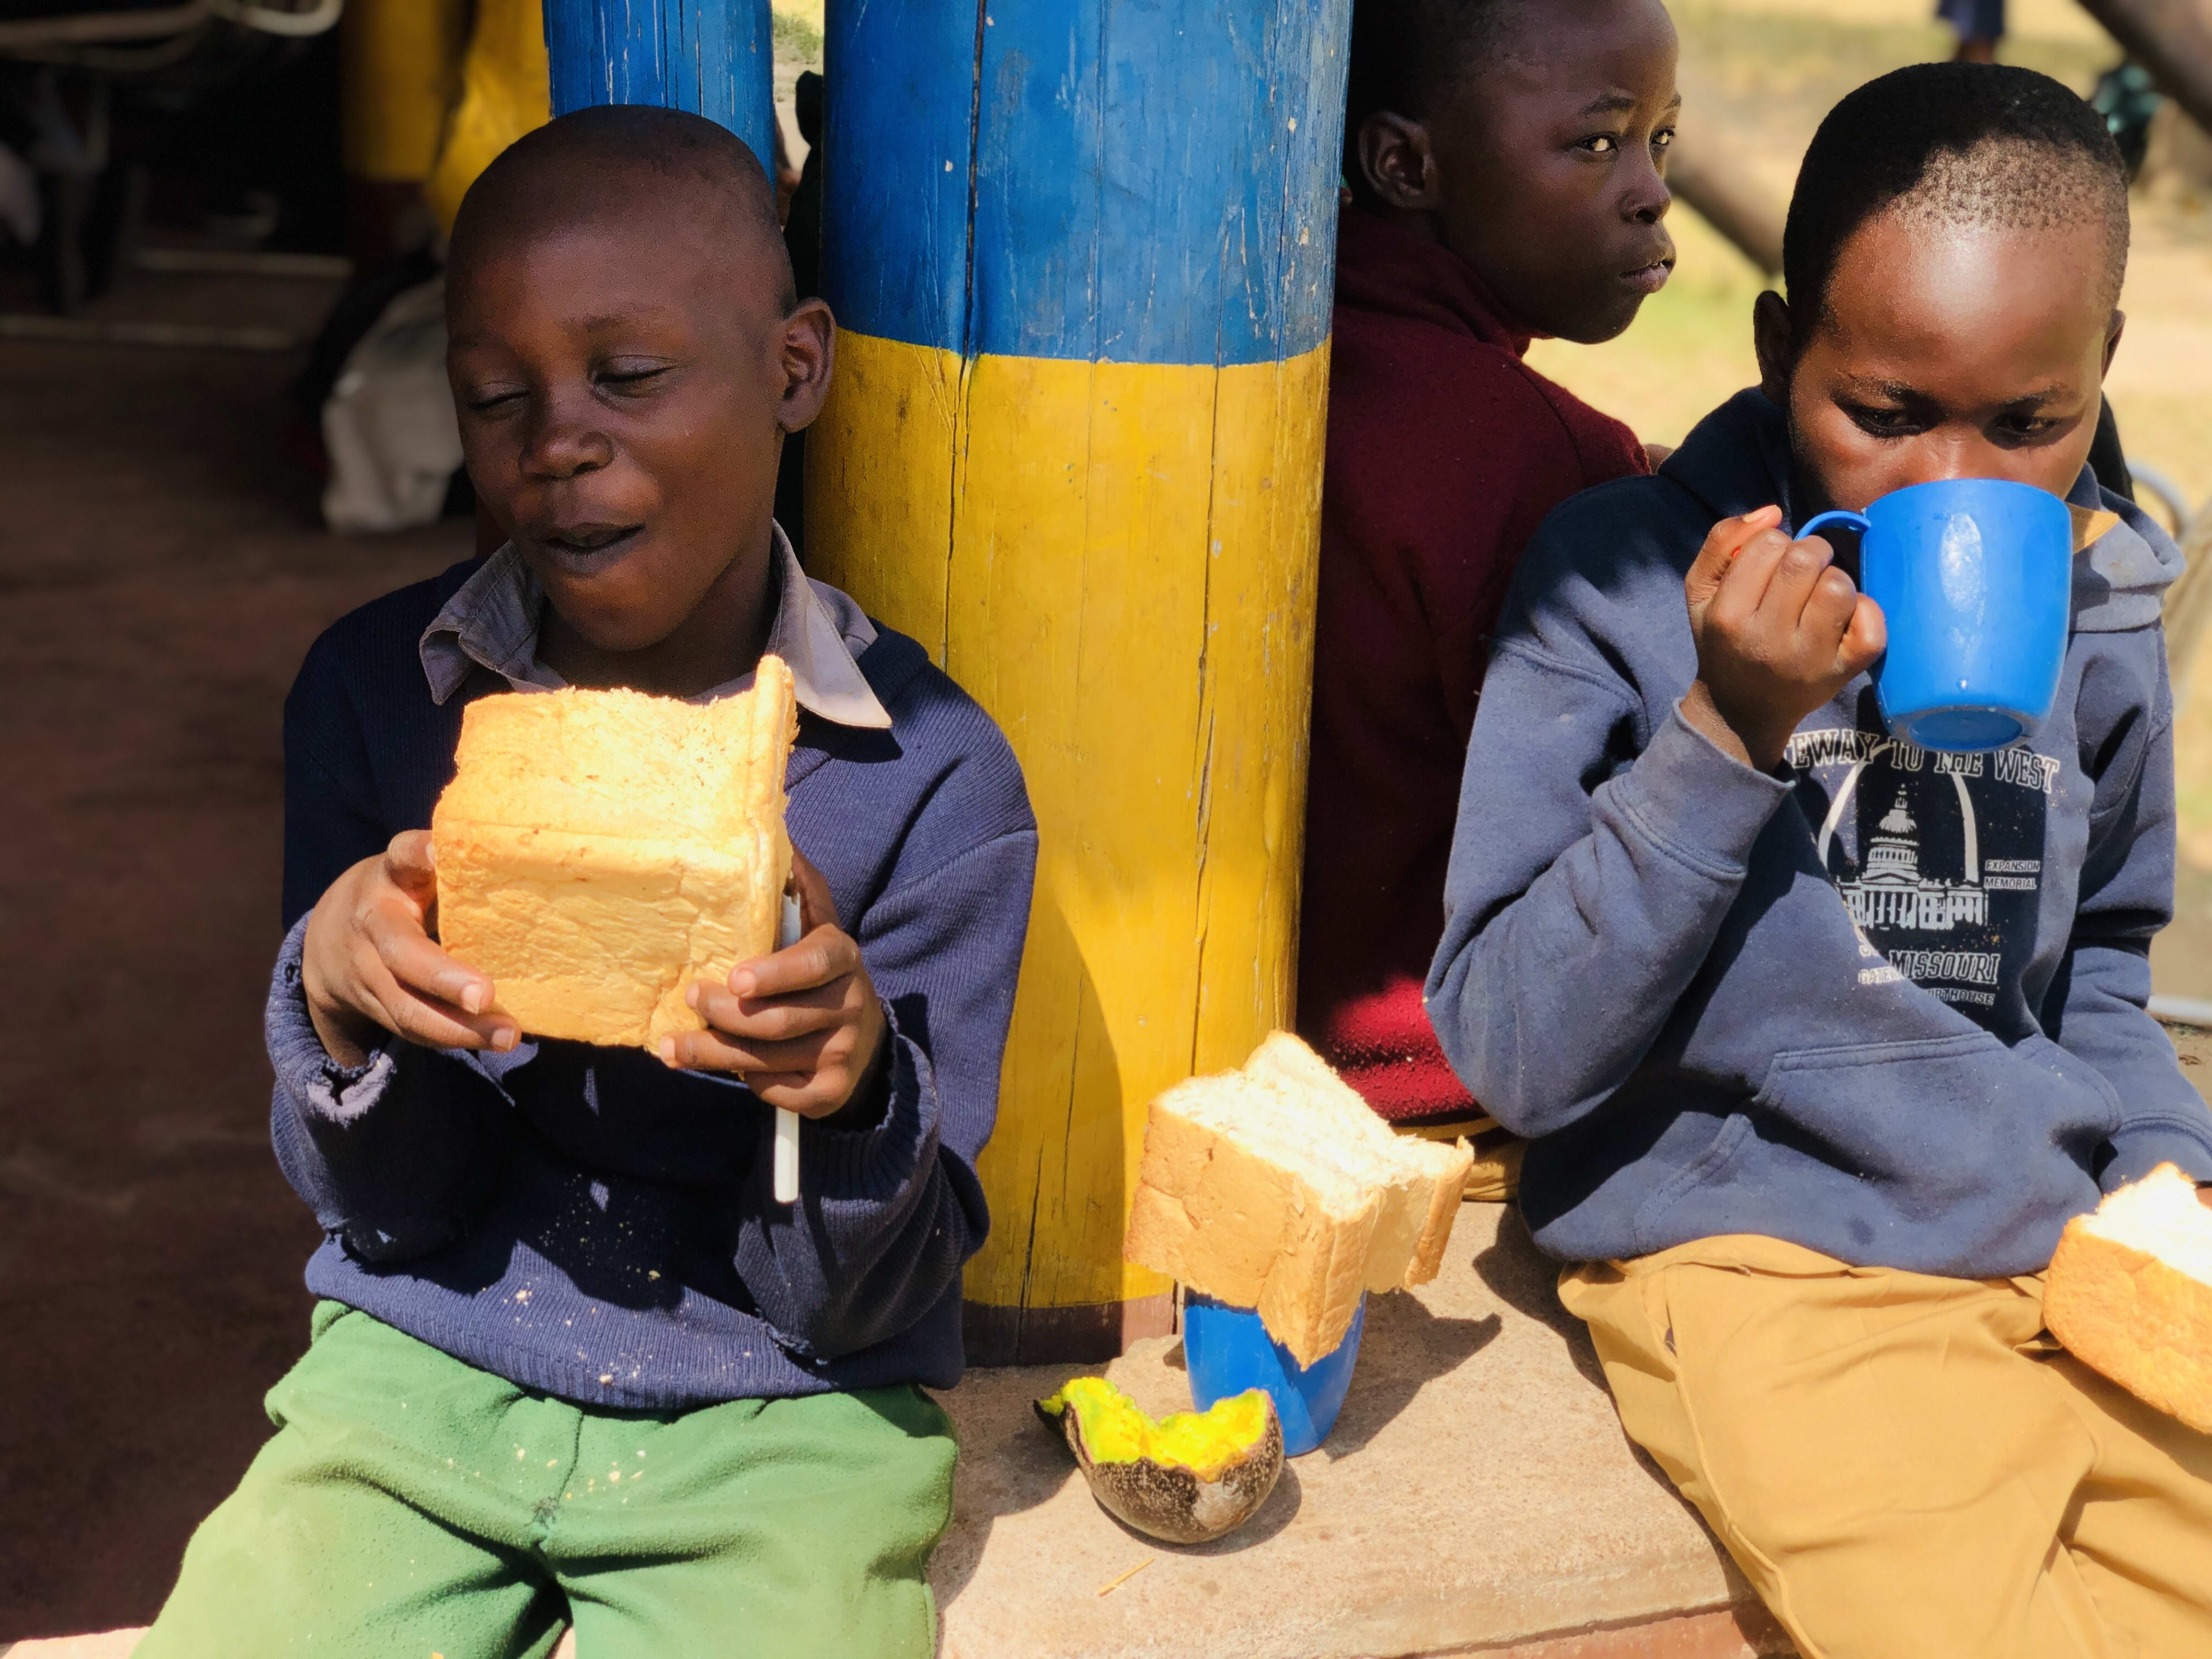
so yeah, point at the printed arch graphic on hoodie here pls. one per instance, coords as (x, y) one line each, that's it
(1938, 857)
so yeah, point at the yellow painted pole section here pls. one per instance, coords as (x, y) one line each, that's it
(1117, 561)
(507, 90)
(399, 70)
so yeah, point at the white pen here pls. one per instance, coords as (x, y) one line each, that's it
(786, 1121)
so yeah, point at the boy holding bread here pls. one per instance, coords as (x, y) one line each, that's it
(574, 1363)
(1821, 1037)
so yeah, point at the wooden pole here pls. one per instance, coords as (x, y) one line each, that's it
(1698, 172)
(714, 57)
(2171, 38)
(1081, 252)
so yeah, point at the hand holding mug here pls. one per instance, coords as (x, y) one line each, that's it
(1779, 631)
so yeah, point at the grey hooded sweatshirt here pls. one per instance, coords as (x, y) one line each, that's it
(1884, 1003)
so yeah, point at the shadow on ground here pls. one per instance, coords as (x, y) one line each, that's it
(164, 576)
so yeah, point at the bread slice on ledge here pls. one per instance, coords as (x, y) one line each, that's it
(600, 851)
(1275, 1186)
(2130, 1293)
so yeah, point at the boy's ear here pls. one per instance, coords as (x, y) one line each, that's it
(1399, 162)
(1770, 337)
(806, 352)
(2112, 331)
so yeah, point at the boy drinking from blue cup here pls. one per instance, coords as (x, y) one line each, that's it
(1821, 1035)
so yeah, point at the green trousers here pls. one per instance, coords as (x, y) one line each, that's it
(412, 1506)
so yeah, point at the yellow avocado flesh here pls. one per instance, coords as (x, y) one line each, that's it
(1207, 1444)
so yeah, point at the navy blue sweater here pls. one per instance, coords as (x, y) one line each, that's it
(584, 1222)
(1885, 1004)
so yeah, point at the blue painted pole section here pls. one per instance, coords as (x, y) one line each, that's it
(1137, 181)
(712, 58)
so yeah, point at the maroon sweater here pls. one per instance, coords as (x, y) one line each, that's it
(1445, 450)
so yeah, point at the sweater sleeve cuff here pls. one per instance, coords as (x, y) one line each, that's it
(871, 1162)
(1694, 800)
(305, 1070)
(2139, 1148)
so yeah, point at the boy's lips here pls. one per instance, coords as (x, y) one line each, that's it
(1649, 279)
(585, 545)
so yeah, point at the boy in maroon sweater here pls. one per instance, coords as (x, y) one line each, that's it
(1506, 159)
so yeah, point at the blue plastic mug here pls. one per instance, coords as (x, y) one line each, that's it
(1975, 578)
(1228, 1351)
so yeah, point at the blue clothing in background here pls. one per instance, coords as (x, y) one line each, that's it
(1884, 1003)
(1974, 20)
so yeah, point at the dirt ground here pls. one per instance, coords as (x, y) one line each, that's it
(165, 575)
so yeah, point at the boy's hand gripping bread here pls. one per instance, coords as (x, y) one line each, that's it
(597, 852)
(2130, 1293)
(1277, 1188)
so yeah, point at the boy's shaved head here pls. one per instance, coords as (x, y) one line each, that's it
(626, 356)
(619, 161)
(1965, 144)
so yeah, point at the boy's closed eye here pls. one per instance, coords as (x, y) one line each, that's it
(633, 376)
(2029, 421)
(489, 400)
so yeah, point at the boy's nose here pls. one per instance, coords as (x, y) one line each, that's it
(562, 449)
(1647, 199)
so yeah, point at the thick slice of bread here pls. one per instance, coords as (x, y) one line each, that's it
(2130, 1293)
(1275, 1188)
(600, 851)
(1420, 1181)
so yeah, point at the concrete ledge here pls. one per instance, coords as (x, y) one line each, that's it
(1477, 1496)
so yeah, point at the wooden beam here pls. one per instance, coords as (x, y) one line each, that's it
(2171, 38)
(1699, 173)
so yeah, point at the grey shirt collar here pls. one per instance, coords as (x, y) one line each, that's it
(491, 622)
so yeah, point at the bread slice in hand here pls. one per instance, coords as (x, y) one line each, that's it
(2130, 1293)
(600, 851)
(1275, 1186)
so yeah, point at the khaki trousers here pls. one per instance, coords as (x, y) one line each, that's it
(1907, 1466)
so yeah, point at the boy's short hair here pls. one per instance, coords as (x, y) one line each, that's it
(1964, 144)
(1405, 52)
(616, 152)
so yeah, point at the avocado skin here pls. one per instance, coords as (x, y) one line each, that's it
(1171, 1503)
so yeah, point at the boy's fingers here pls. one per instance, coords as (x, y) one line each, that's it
(1724, 541)
(823, 954)
(408, 861)
(807, 1093)
(816, 909)
(1744, 590)
(1864, 640)
(433, 1024)
(792, 1092)
(716, 1051)
(769, 1021)
(1798, 573)
(1827, 613)
(413, 959)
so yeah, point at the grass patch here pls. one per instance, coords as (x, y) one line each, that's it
(798, 25)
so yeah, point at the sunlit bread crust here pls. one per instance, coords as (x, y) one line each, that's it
(1276, 1187)
(597, 852)
(2130, 1293)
